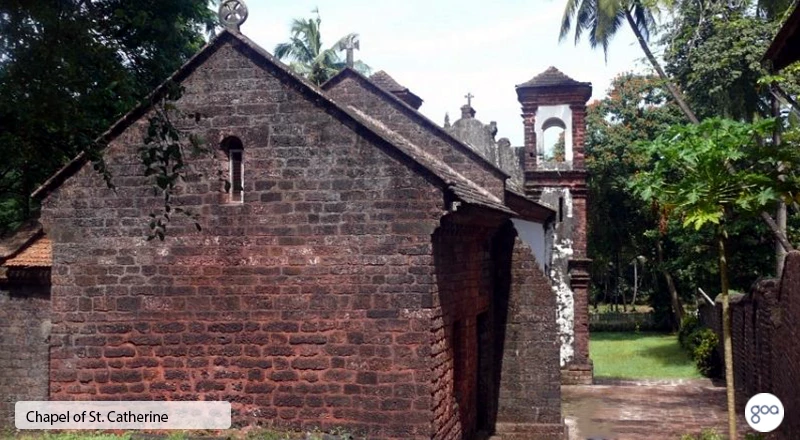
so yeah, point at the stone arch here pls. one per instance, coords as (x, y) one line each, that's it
(554, 132)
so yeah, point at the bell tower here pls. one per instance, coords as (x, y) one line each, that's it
(554, 117)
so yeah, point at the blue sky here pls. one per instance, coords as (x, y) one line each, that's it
(442, 49)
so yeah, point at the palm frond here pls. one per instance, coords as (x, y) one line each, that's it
(566, 19)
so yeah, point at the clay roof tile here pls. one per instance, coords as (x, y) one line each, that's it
(551, 77)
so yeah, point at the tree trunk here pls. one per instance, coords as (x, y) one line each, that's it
(673, 90)
(677, 308)
(780, 218)
(635, 283)
(726, 336)
(621, 287)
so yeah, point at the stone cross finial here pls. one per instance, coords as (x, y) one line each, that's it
(469, 97)
(232, 13)
(350, 45)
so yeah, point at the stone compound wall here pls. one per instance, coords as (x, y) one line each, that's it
(529, 404)
(24, 346)
(306, 306)
(765, 330)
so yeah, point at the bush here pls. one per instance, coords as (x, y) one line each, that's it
(710, 434)
(701, 343)
(705, 353)
(689, 325)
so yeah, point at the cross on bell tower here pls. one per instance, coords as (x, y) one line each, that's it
(469, 97)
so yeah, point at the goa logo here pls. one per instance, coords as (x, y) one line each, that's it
(764, 412)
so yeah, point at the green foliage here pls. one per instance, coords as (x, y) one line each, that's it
(701, 344)
(637, 108)
(707, 434)
(714, 51)
(69, 68)
(703, 172)
(689, 325)
(711, 434)
(309, 58)
(163, 157)
(704, 343)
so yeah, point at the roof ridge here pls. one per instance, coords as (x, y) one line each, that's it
(551, 77)
(482, 191)
(417, 114)
(383, 79)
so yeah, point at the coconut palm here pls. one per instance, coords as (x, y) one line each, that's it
(307, 57)
(601, 19)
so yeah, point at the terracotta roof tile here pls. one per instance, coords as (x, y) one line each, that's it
(38, 254)
(20, 238)
(551, 77)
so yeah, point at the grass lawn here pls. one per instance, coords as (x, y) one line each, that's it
(640, 356)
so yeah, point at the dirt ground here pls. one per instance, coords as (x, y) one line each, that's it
(645, 410)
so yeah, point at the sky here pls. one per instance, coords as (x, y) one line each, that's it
(444, 49)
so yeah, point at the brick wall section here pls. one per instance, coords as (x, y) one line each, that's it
(24, 346)
(765, 330)
(352, 91)
(464, 287)
(785, 378)
(752, 337)
(578, 135)
(530, 392)
(307, 305)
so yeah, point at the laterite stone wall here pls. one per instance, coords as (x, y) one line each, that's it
(24, 346)
(308, 305)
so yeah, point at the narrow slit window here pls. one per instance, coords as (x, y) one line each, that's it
(237, 186)
(560, 209)
(235, 151)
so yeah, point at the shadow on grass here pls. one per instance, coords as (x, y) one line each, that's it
(625, 336)
(665, 352)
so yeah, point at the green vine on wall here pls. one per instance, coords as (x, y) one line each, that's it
(163, 156)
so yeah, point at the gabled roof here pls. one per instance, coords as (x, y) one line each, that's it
(431, 126)
(38, 254)
(785, 48)
(23, 236)
(26, 248)
(386, 82)
(551, 77)
(460, 186)
(465, 189)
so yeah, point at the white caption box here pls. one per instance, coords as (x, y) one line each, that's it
(122, 415)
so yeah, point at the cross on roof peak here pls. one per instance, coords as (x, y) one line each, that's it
(469, 97)
(232, 13)
(350, 45)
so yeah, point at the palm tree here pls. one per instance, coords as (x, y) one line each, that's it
(308, 58)
(603, 18)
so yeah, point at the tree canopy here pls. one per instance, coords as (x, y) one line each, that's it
(69, 68)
